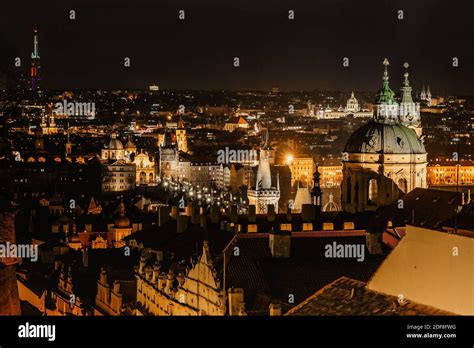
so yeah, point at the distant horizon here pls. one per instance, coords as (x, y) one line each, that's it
(304, 53)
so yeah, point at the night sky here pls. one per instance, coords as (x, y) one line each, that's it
(197, 53)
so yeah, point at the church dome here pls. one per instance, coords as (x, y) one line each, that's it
(384, 138)
(114, 144)
(122, 222)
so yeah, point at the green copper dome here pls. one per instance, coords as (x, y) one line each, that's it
(382, 138)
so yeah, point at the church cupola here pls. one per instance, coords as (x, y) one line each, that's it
(386, 107)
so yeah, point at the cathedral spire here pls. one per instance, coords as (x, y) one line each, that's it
(406, 89)
(385, 94)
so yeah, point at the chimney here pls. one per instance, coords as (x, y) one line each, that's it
(161, 281)
(148, 273)
(182, 223)
(85, 257)
(236, 300)
(373, 243)
(156, 272)
(203, 221)
(280, 244)
(308, 212)
(275, 309)
(215, 214)
(163, 214)
(169, 281)
(233, 215)
(195, 214)
(103, 276)
(289, 217)
(252, 213)
(180, 278)
(174, 212)
(270, 212)
(141, 268)
(116, 286)
(189, 209)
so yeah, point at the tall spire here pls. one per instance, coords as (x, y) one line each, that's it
(264, 180)
(35, 53)
(385, 94)
(406, 89)
(35, 62)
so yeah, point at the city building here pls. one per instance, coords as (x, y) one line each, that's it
(118, 176)
(383, 159)
(264, 194)
(145, 169)
(301, 169)
(236, 122)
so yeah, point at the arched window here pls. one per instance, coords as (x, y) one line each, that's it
(402, 184)
(372, 194)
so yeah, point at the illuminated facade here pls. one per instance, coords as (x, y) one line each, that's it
(330, 176)
(181, 138)
(194, 292)
(145, 169)
(264, 194)
(382, 159)
(302, 169)
(113, 150)
(450, 175)
(118, 176)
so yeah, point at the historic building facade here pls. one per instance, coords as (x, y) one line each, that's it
(384, 158)
(197, 291)
(264, 194)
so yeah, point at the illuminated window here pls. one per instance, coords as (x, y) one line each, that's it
(402, 184)
(372, 197)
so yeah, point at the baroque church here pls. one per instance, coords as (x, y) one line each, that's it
(385, 158)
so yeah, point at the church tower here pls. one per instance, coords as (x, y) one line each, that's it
(181, 137)
(264, 194)
(316, 192)
(68, 143)
(386, 105)
(383, 159)
(169, 157)
(409, 112)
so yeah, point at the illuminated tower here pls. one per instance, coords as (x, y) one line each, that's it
(264, 194)
(409, 111)
(35, 62)
(181, 138)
